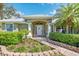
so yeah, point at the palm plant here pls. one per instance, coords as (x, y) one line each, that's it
(68, 16)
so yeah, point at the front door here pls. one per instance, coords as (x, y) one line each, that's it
(39, 30)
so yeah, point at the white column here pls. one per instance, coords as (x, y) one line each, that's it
(29, 26)
(30, 33)
(49, 29)
(54, 28)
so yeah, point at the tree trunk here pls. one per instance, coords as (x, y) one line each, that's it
(72, 31)
(67, 29)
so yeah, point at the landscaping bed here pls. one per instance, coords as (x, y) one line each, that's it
(5, 52)
(29, 45)
(17, 43)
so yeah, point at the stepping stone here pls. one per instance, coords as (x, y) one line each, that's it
(40, 54)
(57, 53)
(22, 54)
(5, 52)
(51, 53)
(15, 54)
(46, 53)
(34, 54)
(11, 53)
(28, 54)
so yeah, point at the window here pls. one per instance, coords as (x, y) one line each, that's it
(9, 27)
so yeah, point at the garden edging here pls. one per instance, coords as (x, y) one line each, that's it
(73, 48)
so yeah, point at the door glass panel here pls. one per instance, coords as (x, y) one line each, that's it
(39, 30)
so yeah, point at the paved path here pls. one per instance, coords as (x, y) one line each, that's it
(64, 51)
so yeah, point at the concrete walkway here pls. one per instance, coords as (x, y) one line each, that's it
(64, 51)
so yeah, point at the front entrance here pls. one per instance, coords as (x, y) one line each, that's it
(39, 30)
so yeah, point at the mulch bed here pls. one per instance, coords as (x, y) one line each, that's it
(29, 45)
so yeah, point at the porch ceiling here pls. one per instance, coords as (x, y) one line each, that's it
(39, 22)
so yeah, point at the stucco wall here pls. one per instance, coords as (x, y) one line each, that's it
(22, 26)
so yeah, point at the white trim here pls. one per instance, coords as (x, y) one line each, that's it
(49, 29)
(29, 26)
(30, 33)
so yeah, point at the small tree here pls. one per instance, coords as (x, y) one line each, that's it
(68, 16)
(7, 11)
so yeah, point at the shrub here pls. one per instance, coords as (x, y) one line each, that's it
(71, 39)
(8, 38)
(46, 48)
(21, 33)
(24, 31)
(21, 49)
(35, 49)
(11, 47)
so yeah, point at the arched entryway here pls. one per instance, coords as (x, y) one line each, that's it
(39, 28)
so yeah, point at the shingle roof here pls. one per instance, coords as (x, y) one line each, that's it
(12, 20)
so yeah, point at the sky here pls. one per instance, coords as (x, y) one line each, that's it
(36, 8)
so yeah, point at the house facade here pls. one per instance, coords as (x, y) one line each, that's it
(38, 25)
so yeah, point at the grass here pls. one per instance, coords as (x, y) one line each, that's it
(29, 45)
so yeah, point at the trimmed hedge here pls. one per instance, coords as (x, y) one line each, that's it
(8, 38)
(21, 33)
(71, 39)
